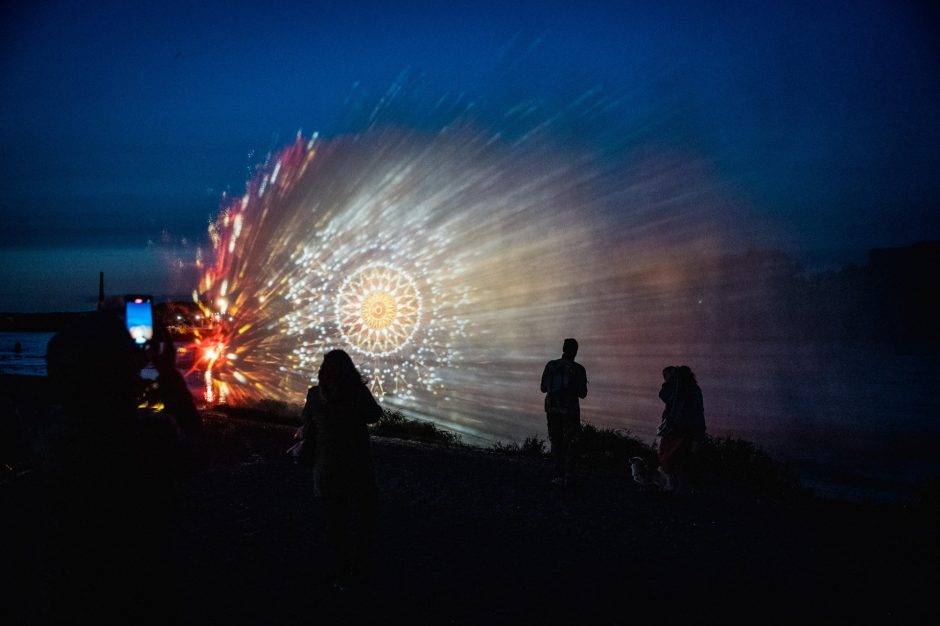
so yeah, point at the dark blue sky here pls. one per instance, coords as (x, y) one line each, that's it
(119, 120)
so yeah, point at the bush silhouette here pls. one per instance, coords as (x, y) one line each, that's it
(395, 424)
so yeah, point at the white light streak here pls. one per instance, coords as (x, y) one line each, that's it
(451, 267)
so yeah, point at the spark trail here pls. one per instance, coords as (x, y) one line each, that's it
(451, 266)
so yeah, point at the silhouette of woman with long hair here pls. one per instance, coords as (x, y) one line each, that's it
(336, 415)
(682, 430)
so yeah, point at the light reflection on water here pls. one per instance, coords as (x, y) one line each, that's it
(31, 360)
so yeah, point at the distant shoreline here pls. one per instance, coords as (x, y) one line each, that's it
(38, 322)
(53, 322)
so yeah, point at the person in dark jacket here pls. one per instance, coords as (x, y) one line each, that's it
(564, 383)
(682, 430)
(336, 415)
(109, 473)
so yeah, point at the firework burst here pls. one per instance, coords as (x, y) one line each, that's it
(450, 266)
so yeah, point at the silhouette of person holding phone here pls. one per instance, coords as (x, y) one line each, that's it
(109, 471)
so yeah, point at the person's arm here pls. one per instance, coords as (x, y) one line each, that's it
(190, 447)
(309, 428)
(664, 392)
(179, 401)
(667, 395)
(304, 450)
(698, 435)
(698, 406)
(544, 386)
(171, 385)
(369, 409)
(582, 384)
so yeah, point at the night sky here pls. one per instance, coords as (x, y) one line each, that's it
(123, 123)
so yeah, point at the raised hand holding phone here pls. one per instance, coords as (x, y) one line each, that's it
(138, 315)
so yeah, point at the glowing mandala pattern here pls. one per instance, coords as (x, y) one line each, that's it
(378, 310)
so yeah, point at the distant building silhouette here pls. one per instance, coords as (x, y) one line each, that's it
(767, 295)
(903, 285)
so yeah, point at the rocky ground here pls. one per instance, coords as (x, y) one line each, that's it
(471, 536)
(474, 536)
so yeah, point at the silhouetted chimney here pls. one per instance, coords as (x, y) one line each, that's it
(100, 290)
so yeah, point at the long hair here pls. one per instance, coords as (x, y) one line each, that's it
(681, 381)
(338, 377)
(687, 376)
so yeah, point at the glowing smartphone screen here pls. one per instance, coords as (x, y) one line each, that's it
(139, 319)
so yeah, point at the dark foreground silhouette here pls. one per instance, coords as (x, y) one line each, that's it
(564, 383)
(336, 417)
(99, 500)
(472, 536)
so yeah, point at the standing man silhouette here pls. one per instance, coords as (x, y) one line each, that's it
(564, 382)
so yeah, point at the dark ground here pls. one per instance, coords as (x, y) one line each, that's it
(473, 536)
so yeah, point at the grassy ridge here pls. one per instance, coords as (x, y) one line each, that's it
(392, 423)
(726, 461)
(26, 402)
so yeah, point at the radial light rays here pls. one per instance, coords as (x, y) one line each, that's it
(450, 267)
